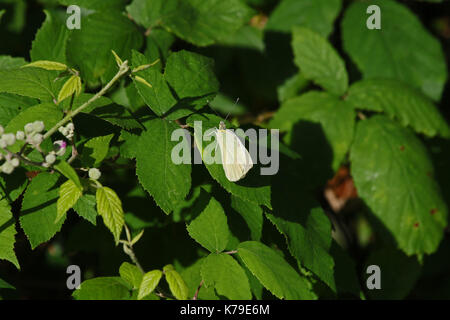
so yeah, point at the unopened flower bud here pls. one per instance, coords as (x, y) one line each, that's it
(28, 128)
(50, 158)
(45, 164)
(7, 168)
(3, 144)
(15, 162)
(20, 135)
(9, 138)
(38, 126)
(70, 126)
(37, 138)
(60, 147)
(94, 173)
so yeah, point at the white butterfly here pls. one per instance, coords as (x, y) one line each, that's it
(236, 160)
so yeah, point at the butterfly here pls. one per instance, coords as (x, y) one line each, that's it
(236, 160)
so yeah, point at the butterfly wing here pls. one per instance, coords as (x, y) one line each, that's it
(236, 160)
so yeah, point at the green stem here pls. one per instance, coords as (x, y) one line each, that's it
(123, 70)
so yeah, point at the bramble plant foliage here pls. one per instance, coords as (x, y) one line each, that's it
(90, 100)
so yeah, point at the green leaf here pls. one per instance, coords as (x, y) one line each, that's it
(66, 170)
(227, 276)
(210, 228)
(69, 193)
(102, 288)
(131, 274)
(317, 15)
(252, 214)
(105, 109)
(149, 282)
(399, 101)
(159, 96)
(191, 74)
(274, 272)
(165, 181)
(95, 150)
(3, 283)
(7, 233)
(51, 38)
(394, 176)
(254, 187)
(158, 46)
(192, 277)
(46, 112)
(47, 65)
(85, 207)
(70, 87)
(197, 21)
(109, 207)
(147, 13)
(31, 82)
(292, 87)
(9, 63)
(394, 285)
(96, 4)
(402, 49)
(11, 105)
(176, 283)
(308, 234)
(336, 119)
(319, 61)
(90, 47)
(38, 214)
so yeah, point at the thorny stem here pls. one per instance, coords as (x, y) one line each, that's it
(124, 68)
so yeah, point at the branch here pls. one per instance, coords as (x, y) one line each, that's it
(124, 68)
(197, 291)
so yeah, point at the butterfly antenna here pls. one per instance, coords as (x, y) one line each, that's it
(235, 103)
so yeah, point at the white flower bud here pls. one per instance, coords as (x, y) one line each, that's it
(64, 132)
(2, 130)
(9, 138)
(94, 173)
(3, 143)
(20, 135)
(50, 158)
(28, 128)
(38, 126)
(15, 162)
(45, 164)
(60, 129)
(70, 126)
(7, 168)
(37, 138)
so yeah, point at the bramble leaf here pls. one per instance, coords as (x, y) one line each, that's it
(7, 233)
(393, 174)
(402, 49)
(210, 228)
(109, 206)
(274, 272)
